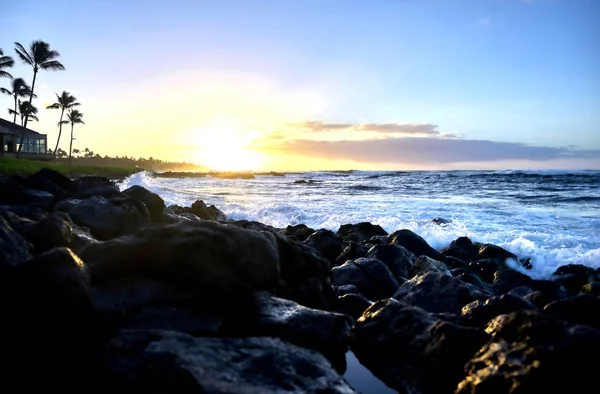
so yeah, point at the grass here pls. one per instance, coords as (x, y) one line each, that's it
(12, 166)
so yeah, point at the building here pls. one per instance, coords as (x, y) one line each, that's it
(34, 143)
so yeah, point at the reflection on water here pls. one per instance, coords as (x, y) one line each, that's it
(362, 379)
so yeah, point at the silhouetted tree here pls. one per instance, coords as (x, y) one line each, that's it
(5, 62)
(64, 102)
(75, 117)
(27, 111)
(39, 57)
(19, 88)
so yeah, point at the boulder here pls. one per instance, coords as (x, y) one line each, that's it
(154, 361)
(153, 202)
(360, 232)
(398, 259)
(50, 232)
(373, 279)
(479, 313)
(298, 232)
(326, 243)
(90, 186)
(426, 264)
(14, 249)
(352, 251)
(414, 243)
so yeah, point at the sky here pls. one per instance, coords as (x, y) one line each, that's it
(322, 84)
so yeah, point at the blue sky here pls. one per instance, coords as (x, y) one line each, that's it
(515, 71)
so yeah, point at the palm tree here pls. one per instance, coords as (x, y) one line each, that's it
(5, 62)
(39, 57)
(27, 111)
(74, 117)
(19, 89)
(64, 102)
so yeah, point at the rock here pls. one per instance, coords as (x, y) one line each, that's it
(426, 264)
(592, 288)
(50, 232)
(578, 309)
(107, 219)
(359, 232)
(298, 232)
(352, 305)
(414, 243)
(14, 249)
(398, 259)
(220, 259)
(269, 316)
(471, 276)
(326, 243)
(532, 352)
(500, 255)
(507, 279)
(441, 221)
(44, 180)
(411, 350)
(573, 276)
(165, 361)
(12, 192)
(346, 289)
(305, 272)
(94, 186)
(352, 251)
(463, 248)
(373, 279)
(486, 268)
(154, 203)
(438, 293)
(478, 313)
(200, 209)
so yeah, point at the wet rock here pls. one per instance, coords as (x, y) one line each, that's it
(373, 278)
(415, 244)
(352, 251)
(48, 233)
(406, 346)
(13, 193)
(346, 289)
(154, 203)
(479, 313)
(436, 292)
(107, 219)
(90, 186)
(162, 361)
(398, 259)
(14, 249)
(352, 305)
(200, 209)
(573, 276)
(507, 279)
(269, 316)
(298, 232)
(426, 264)
(578, 309)
(592, 288)
(463, 248)
(326, 243)
(360, 232)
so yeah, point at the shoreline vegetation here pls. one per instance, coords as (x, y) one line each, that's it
(137, 295)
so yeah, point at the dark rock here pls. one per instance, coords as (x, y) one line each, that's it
(17, 194)
(436, 292)
(107, 219)
(346, 289)
(493, 252)
(398, 259)
(200, 209)
(377, 240)
(592, 288)
(154, 203)
(426, 264)
(360, 231)
(352, 305)
(412, 351)
(352, 251)
(269, 316)
(161, 361)
(373, 278)
(90, 186)
(298, 232)
(50, 232)
(507, 279)
(579, 309)
(14, 249)
(415, 243)
(440, 221)
(48, 174)
(479, 313)
(41, 182)
(454, 262)
(573, 276)
(486, 268)
(470, 275)
(326, 243)
(463, 248)
(304, 272)
(533, 352)
(542, 298)
(520, 291)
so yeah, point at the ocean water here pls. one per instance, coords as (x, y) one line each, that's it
(552, 217)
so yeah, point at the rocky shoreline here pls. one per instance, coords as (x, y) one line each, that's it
(103, 289)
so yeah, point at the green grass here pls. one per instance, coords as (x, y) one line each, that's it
(11, 166)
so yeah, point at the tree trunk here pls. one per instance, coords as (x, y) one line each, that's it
(71, 144)
(59, 130)
(27, 117)
(15, 117)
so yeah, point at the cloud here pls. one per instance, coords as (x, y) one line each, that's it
(389, 128)
(429, 150)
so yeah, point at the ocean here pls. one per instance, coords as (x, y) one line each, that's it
(552, 217)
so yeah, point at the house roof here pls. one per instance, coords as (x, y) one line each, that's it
(7, 127)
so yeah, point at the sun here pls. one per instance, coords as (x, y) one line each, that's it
(223, 146)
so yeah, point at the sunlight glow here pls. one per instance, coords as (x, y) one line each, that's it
(223, 146)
